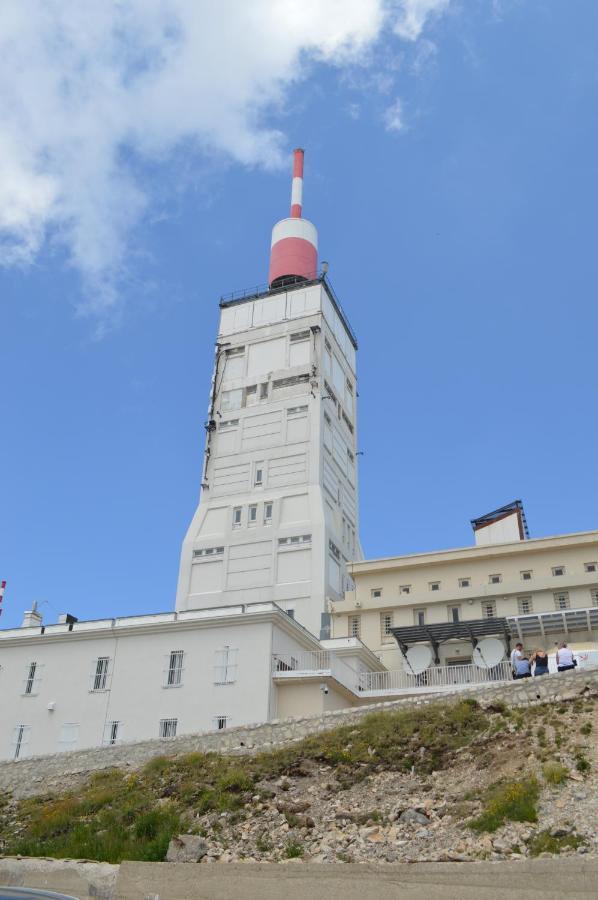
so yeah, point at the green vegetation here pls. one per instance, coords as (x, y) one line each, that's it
(586, 728)
(544, 842)
(581, 763)
(293, 849)
(555, 772)
(118, 816)
(513, 801)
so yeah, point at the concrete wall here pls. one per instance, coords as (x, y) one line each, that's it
(40, 775)
(298, 700)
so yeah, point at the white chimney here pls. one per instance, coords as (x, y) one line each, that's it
(31, 617)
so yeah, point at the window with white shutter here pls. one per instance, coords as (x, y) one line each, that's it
(225, 668)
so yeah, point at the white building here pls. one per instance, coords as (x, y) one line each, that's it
(82, 684)
(278, 514)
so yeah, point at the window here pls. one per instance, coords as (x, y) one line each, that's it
(590, 567)
(419, 617)
(376, 593)
(558, 570)
(495, 579)
(295, 539)
(268, 513)
(297, 410)
(434, 585)
(561, 600)
(21, 740)
(237, 511)
(385, 626)
(99, 680)
(334, 549)
(258, 474)
(290, 382)
(167, 728)
(227, 423)
(31, 679)
(221, 722)
(231, 400)
(225, 667)
(527, 575)
(525, 606)
(355, 626)
(209, 551)
(594, 595)
(252, 518)
(174, 672)
(465, 582)
(454, 613)
(488, 609)
(405, 589)
(69, 735)
(250, 395)
(112, 732)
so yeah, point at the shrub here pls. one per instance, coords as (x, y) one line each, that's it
(544, 842)
(581, 763)
(293, 849)
(586, 728)
(555, 772)
(514, 801)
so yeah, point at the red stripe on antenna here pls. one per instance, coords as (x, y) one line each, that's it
(298, 155)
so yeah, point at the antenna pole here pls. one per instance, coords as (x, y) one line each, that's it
(297, 184)
(2, 588)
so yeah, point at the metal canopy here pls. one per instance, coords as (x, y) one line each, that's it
(469, 630)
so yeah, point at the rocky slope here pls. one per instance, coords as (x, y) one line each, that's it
(435, 784)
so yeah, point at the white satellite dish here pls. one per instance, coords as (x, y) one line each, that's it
(488, 653)
(417, 659)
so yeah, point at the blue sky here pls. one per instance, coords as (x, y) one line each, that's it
(451, 170)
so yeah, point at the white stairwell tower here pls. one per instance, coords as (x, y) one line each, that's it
(278, 513)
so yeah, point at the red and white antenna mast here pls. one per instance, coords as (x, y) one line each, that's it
(2, 589)
(294, 248)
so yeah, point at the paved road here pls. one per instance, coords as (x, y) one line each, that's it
(542, 879)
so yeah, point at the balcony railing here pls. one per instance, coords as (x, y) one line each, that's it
(436, 678)
(315, 663)
(323, 663)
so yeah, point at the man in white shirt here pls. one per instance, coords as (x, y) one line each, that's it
(516, 654)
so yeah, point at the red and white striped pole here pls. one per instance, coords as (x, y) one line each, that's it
(2, 587)
(294, 246)
(297, 184)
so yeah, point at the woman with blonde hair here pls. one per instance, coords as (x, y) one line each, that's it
(540, 658)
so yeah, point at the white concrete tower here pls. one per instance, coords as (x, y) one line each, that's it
(278, 513)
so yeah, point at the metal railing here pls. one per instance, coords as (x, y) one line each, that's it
(434, 678)
(315, 662)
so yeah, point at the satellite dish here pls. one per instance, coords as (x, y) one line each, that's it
(417, 659)
(488, 653)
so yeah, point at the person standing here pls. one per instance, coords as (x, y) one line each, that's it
(516, 654)
(564, 658)
(540, 658)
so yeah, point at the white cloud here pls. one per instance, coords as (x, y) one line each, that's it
(88, 88)
(413, 14)
(394, 118)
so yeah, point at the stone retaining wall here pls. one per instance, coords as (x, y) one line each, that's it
(61, 771)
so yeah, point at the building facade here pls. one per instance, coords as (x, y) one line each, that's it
(75, 685)
(547, 588)
(278, 513)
